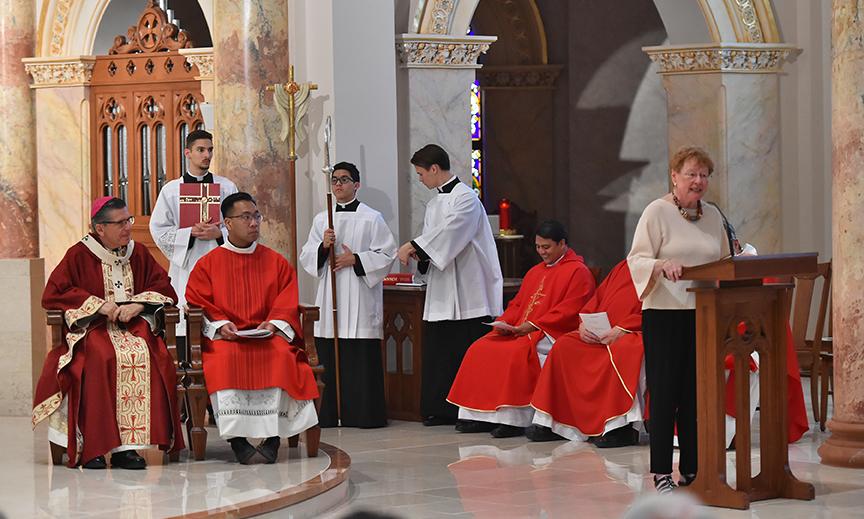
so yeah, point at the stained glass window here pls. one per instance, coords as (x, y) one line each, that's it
(476, 134)
(476, 139)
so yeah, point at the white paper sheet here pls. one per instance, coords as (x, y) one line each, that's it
(501, 325)
(598, 323)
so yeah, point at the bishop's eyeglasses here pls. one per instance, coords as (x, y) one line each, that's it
(121, 223)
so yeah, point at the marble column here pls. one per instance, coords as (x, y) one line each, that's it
(433, 85)
(18, 219)
(725, 98)
(202, 58)
(62, 98)
(250, 51)
(845, 447)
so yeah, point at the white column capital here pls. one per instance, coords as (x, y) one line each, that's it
(441, 51)
(60, 72)
(746, 58)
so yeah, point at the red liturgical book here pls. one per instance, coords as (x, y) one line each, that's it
(398, 277)
(199, 203)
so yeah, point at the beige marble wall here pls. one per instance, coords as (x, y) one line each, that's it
(22, 343)
(845, 447)
(250, 48)
(18, 225)
(63, 160)
(735, 117)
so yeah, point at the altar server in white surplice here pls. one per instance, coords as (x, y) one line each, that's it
(184, 247)
(457, 254)
(365, 250)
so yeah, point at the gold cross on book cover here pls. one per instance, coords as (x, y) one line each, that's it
(199, 203)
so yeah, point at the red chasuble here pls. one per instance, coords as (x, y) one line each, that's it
(249, 289)
(797, 412)
(128, 396)
(585, 385)
(501, 370)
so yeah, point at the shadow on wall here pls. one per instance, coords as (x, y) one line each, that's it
(586, 149)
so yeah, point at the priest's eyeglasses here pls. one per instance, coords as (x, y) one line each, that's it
(248, 217)
(341, 180)
(121, 223)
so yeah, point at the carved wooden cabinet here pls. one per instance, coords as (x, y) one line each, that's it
(402, 347)
(144, 101)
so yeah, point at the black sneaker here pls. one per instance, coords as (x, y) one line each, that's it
(269, 448)
(686, 480)
(243, 450)
(129, 460)
(539, 433)
(664, 484)
(96, 463)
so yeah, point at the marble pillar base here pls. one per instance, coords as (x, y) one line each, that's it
(845, 447)
(23, 343)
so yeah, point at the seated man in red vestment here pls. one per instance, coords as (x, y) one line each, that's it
(110, 292)
(260, 383)
(593, 386)
(495, 382)
(796, 411)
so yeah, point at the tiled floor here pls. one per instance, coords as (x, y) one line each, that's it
(412, 471)
(405, 470)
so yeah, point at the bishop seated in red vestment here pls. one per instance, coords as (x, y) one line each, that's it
(496, 380)
(260, 383)
(593, 387)
(110, 292)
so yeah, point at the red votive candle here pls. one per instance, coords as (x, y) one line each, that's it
(504, 214)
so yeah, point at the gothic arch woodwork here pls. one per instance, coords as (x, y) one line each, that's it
(144, 101)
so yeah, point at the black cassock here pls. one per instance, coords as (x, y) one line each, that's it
(444, 347)
(362, 383)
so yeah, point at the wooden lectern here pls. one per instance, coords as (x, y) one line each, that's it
(737, 314)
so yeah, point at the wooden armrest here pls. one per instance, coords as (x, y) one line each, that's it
(308, 316)
(194, 329)
(54, 318)
(170, 317)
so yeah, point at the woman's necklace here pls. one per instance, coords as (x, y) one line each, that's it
(688, 216)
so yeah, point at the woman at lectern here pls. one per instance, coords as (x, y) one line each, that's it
(674, 231)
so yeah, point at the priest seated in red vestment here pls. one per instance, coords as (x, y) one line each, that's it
(259, 380)
(496, 380)
(593, 383)
(110, 292)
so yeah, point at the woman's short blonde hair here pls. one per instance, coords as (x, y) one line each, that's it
(691, 152)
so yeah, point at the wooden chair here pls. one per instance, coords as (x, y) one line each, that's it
(823, 349)
(170, 319)
(807, 350)
(198, 397)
